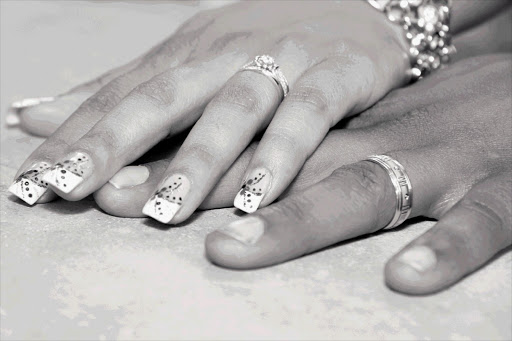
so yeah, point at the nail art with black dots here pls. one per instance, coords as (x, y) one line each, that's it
(166, 202)
(67, 175)
(253, 190)
(30, 186)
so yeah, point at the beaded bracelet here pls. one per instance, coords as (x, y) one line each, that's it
(427, 28)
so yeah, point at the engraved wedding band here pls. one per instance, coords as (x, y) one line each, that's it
(403, 188)
(266, 65)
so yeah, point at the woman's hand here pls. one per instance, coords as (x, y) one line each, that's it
(339, 59)
(451, 132)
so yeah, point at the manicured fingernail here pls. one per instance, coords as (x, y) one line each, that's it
(130, 176)
(253, 190)
(166, 202)
(30, 185)
(420, 258)
(67, 175)
(248, 230)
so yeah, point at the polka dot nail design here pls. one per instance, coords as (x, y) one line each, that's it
(67, 175)
(253, 190)
(30, 185)
(166, 202)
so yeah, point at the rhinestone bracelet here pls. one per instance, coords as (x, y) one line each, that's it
(427, 28)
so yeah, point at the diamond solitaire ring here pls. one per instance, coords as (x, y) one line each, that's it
(266, 65)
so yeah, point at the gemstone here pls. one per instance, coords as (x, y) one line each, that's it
(429, 14)
(414, 3)
(266, 62)
(395, 13)
(435, 62)
(418, 39)
(434, 43)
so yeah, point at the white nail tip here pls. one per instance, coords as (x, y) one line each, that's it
(166, 202)
(66, 176)
(253, 190)
(161, 210)
(65, 182)
(30, 186)
(247, 231)
(420, 258)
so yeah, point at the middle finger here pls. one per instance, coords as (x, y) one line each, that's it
(242, 108)
(169, 102)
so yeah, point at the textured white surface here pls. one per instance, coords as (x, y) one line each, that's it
(68, 271)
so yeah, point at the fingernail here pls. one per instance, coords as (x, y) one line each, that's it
(248, 230)
(420, 258)
(130, 176)
(30, 185)
(67, 175)
(166, 202)
(253, 190)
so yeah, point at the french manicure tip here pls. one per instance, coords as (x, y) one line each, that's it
(63, 179)
(161, 210)
(67, 175)
(28, 193)
(30, 185)
(239, 203)
(167, 201)
(253, 190)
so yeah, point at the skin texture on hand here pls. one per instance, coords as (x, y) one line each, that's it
(456, 150)
(321, 56)
(355, 126)
(459, 160)
(162, 87)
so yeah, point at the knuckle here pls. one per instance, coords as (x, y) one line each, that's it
(160, 90)
(365, 184)
(242, 96)
(105, 99)
(293, 208)
(363, 175)
(285, 142)
(291, 39)
(200, 153)
(105, 140)
(484, 210)
(229, 40)
(491, 201)
(311, 97)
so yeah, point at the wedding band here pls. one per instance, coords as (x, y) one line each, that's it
(403, 188)
(266, 65)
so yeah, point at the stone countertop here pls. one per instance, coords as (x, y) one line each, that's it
(69, 271)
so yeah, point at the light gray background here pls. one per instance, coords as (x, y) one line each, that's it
(69, 271)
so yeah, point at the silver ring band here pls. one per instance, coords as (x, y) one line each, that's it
(403, 188)
(266, 65)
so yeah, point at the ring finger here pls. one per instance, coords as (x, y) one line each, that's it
(243, 107)
(329, 91)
